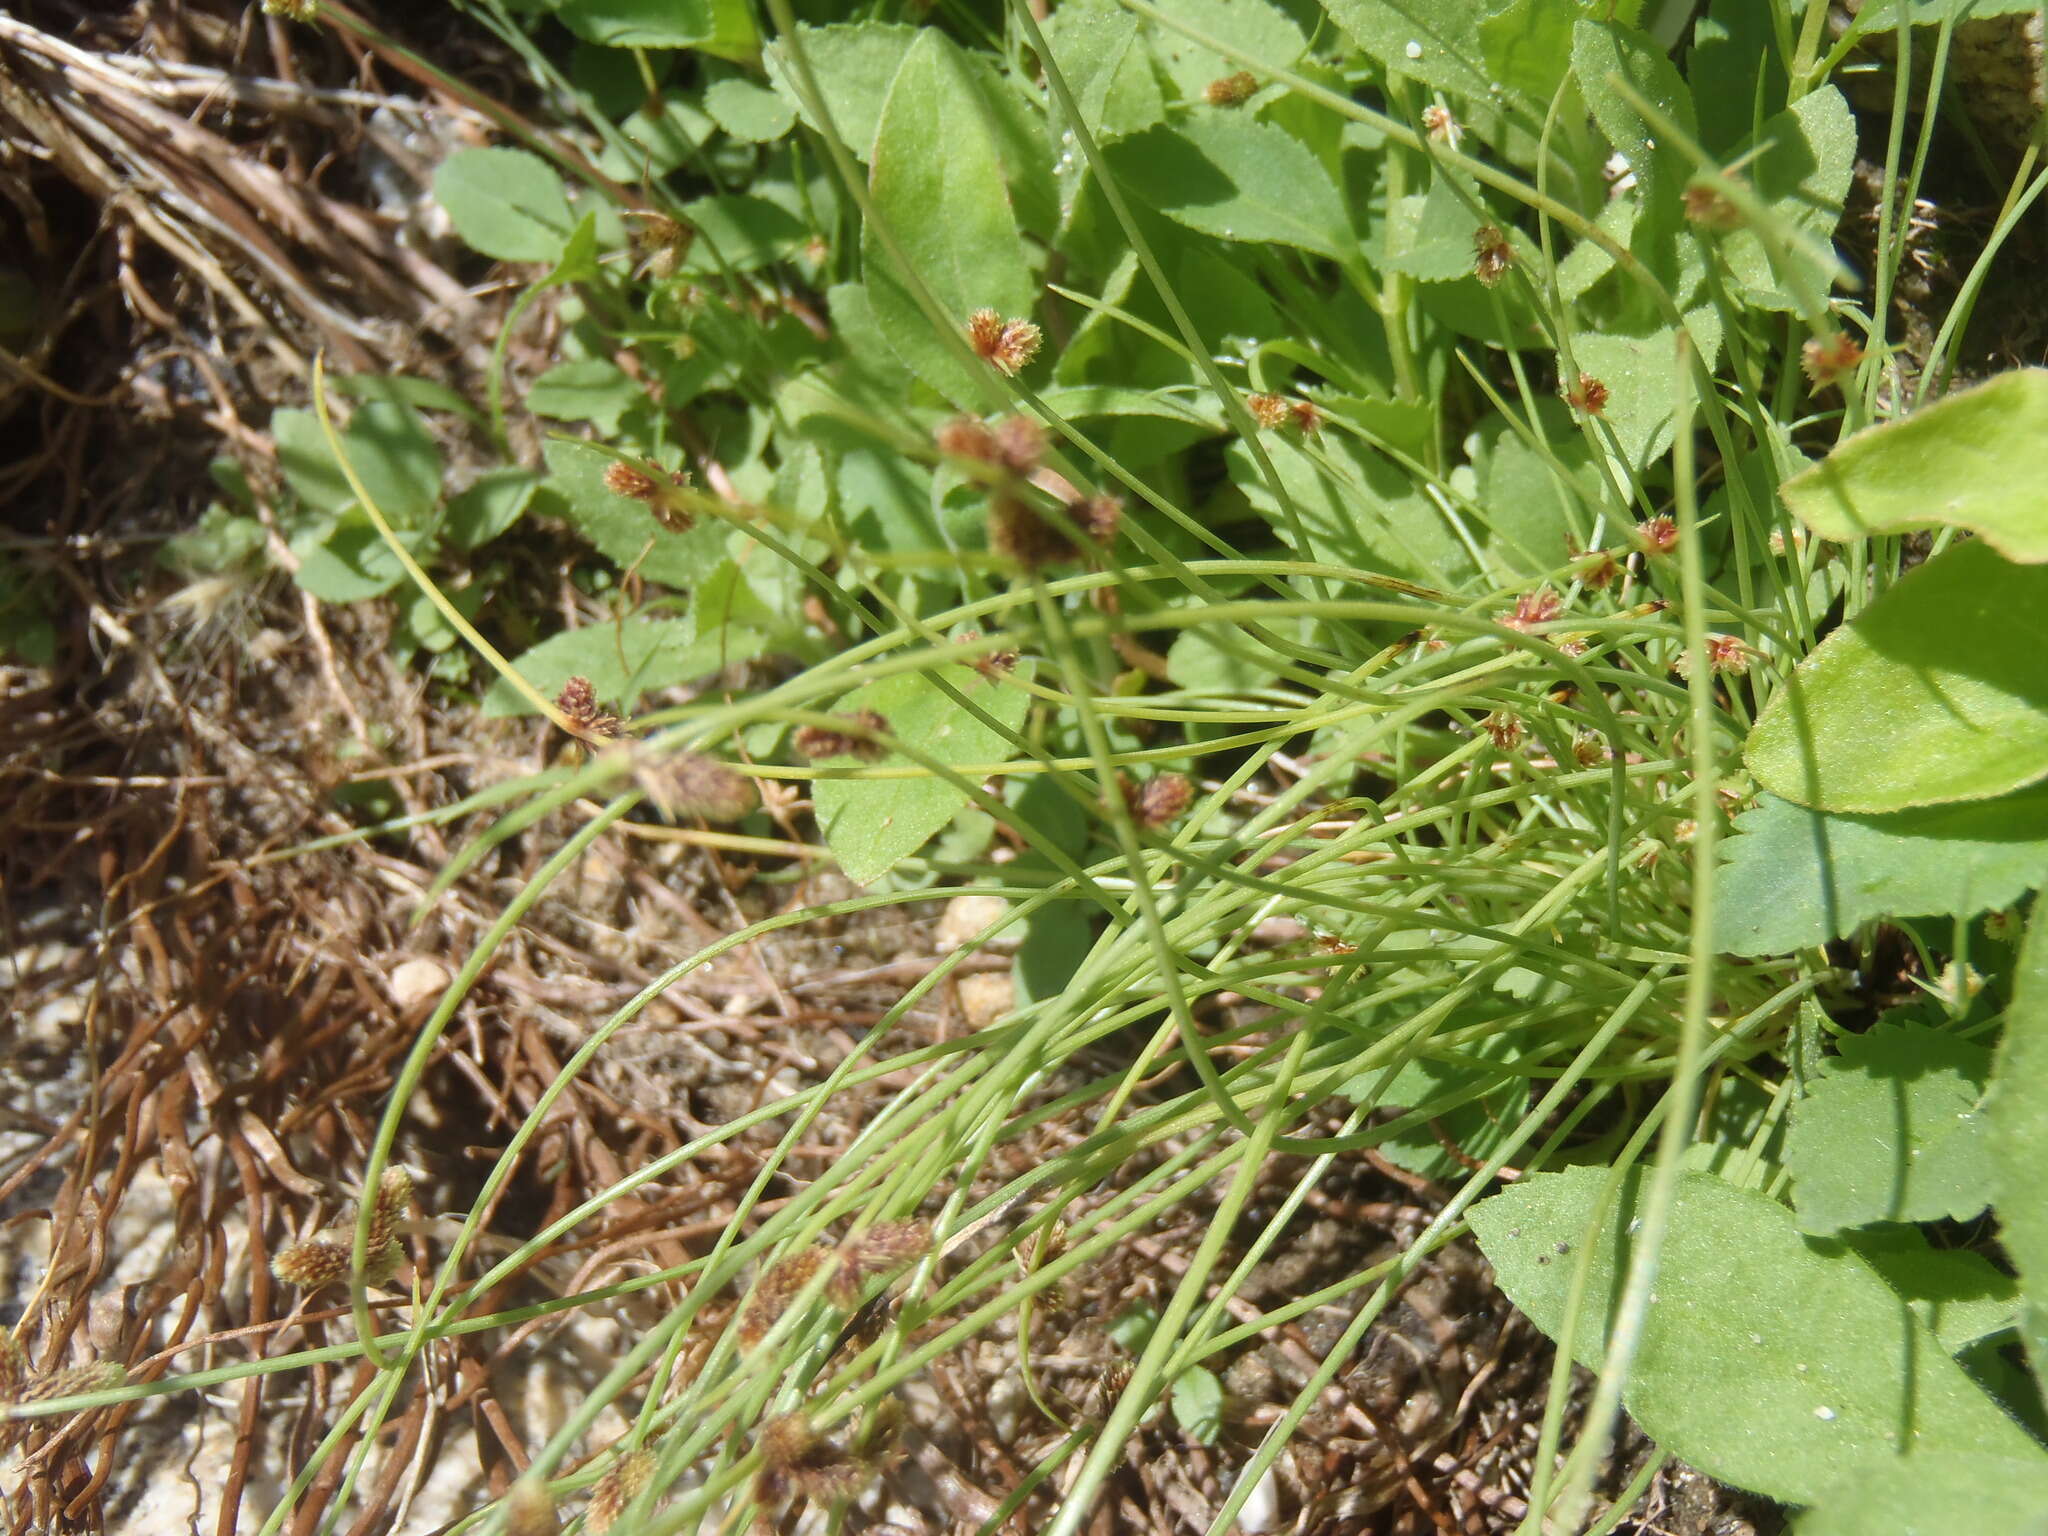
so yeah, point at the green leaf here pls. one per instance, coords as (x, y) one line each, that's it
(345, 560)
(1970, 460)
(591, 389)
(505, 203)
(1933, 693)
(1487, 1118)
(2018, 1111)
(1527, 46)
(721, 27)
(1802, 177)
(749, 111)
(1429, 234)
(623, 661)
(854, 63)
(937, 181)
(1796, 877)
(1198, 1404)
(1763, 1361)
(1958, 1293)
(1106, 67)
(388, 446)
(872, 824)
(623, 530)
(1237, 178)
(221, 540)
(491, 505)
(1434, 41)
(1601, 50)
(658, 137)
(1890, 1132)
(742, 232)
(1924, 1495)
(1642, 379)
(1262, 32)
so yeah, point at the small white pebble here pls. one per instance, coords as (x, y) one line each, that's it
(1824, 1414)
(1413, 50)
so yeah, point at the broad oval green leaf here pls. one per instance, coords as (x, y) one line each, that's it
(1434, 41)
(1237, 178)
(387, 445)
(1936, 692)
(1924, 1495)
(1797, 877)
(2018, 1111)
(621, 529)
(853, 63)
(623, 661)
(1764, 1361)
(1890, 1132)
(1970, 460)
(937, 182)
(1802, 176)
(873, 824)
(721, 27)
(505, 203)
(749, 111)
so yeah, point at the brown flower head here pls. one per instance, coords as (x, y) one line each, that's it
(1588, 749)
(1306, 415)
(74, 1381)
(1710, 208)
(1506, 730)
(1491, 254)
(578, 701)
(797, 1459)
(623, 1482)
(530, 1509)
(1827, 360)
(1019, 531)
(1159, 800)
(781, 1285)
(1438, 123)
(1533, 608)
(1658, 535)
(1020, 444)
(689, 784)
(663, 242)
(993, 665)
(1232, 90)
(1588, 395)
(1598, 570)
(1267, 410)
(655, 490)
(857, 740)
(392, 1205)
(1006, 345)
(965, 437)
(882, 1248)
(1725, 655)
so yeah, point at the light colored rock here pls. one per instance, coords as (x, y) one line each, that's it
(965, 917)
(417, 982)
(986, 996)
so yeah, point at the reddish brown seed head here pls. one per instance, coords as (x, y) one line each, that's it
(1505, 730)
(1232, 90)
(1658, 535)
(1438, 123)
(1491, 254)
(1710, 208)
(1533, 608)
(1006, 345)
(856, 739)
(1306, 415)
(1160, 800)
(1588, 394)
(1267, 410)
(1827, 360)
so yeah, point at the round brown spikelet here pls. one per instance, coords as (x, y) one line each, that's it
(625, 1481)
(689, 784)
(530, 1509)
(820, 741)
